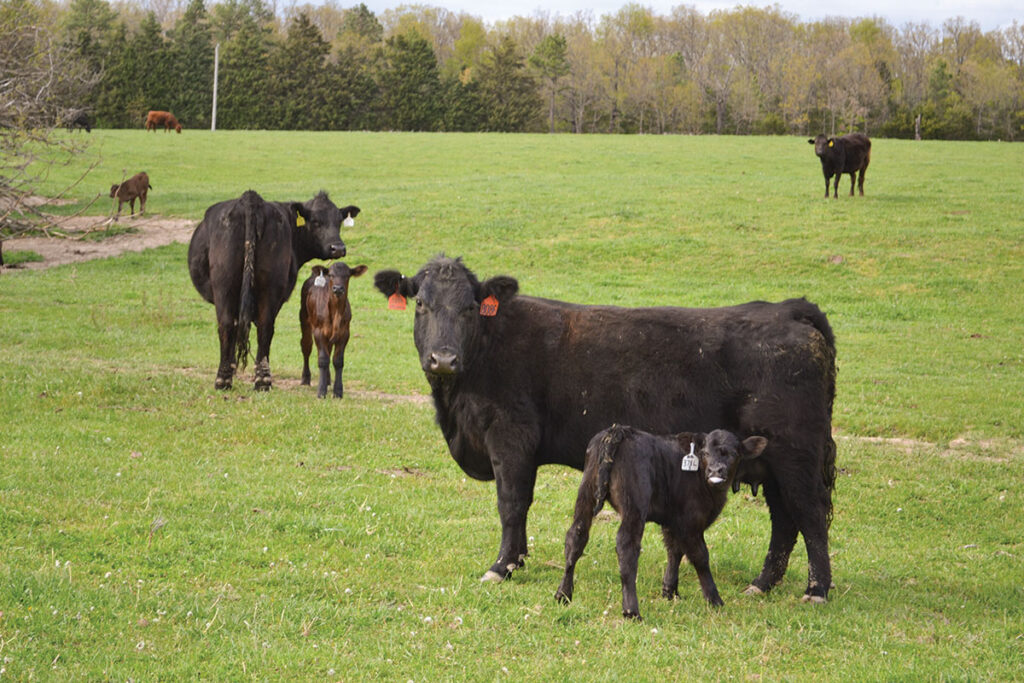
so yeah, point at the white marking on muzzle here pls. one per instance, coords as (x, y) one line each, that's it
(715, 480)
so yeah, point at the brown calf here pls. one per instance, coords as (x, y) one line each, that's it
(678, 481)
(136, 186)
(324, 316)
(155, 119)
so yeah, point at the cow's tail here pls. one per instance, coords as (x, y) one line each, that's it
(604, 454)
(815, 317)
(252, 207)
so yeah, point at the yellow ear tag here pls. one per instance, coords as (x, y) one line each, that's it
(300, 221)
(831, 143)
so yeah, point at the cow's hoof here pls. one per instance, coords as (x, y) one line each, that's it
(262, 386)
(814, 599)
(491, 576)
(222, 383)
(562, 597)
(633, 616)
(752, 590)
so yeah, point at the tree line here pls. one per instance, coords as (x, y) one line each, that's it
(746, 70)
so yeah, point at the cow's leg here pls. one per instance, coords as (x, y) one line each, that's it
(227, 331)
(853, 180)
(697, 552)
(323, 361)
(783, 539)
(339, 366)
(576, 538)
(828, 178)
(515, 474)
(131, 205)
(142, 203)
(674, 547)
(265, 315)
(627, 546)
(835, 185)
(860, 180)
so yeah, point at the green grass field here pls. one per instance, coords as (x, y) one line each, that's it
(154, 529)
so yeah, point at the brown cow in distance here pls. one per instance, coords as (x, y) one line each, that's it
(155, 119)
(325, 316)
(136, 186)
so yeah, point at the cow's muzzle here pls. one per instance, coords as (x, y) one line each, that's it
(336, 250)
(443, 363)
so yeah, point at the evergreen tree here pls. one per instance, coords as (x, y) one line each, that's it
(299, 82)
(192, 50)
(410, 84)
(508, 90)
(242, 101)
(462, 104)
(550, 61)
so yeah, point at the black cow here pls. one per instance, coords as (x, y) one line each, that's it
(78, 118)
(244, 258)
(520, 382)
(847, 154)
(679, 481)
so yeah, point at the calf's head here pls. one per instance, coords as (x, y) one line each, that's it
(321, 220)
(721, 453)
(822, 144)
(338, 276)
(450, 317)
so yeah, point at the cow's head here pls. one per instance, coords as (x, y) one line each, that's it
(721, 453)
(450, 319)
(822, 144)
(338, 276)
(114, 188)
(320, 222)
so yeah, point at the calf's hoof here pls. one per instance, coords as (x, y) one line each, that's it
(563, 598)
(633, 616)
(753, 590)
(814, 599)
(491, 576)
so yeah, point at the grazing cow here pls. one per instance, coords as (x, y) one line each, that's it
(78, 118)
(155, 119)
(847, 154)
(324, 317)
(520, 382)
(136, 186)
(680, 482)
(244, 258)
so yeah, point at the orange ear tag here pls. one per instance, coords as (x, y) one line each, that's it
(489, 307)
(396, 302)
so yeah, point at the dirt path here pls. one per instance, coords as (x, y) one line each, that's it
(152, 231)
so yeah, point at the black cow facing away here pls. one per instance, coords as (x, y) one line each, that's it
(244, 258)
(680, 482)
(519, 382)
(847, 154)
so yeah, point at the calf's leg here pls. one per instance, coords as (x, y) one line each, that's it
(697, 552)
(339, 366)
(627, 546)
(307, 347)
(674, 547)
(576, 538)
(323, 361)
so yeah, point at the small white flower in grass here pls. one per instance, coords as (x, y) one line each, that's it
(264, 548)
(189, 613)
(427, 620)
(107, 575)
(141, 645)
(348, 591)
(118, 474)
(330, 672)
(654, 631)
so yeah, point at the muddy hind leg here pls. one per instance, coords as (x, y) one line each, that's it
(576, 540)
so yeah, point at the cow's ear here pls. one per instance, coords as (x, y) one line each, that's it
(501, 288)
(811, 141)
(392, 282)
(350, 211)
(357, 271)
(302, 216)
(753, 446)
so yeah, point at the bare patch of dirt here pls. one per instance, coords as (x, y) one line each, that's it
(150, 232)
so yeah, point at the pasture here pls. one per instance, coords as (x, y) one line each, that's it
(153, 528)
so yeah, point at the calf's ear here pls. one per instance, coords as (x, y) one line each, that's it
(501, 288)
(350, 211)
(357, 271)
(753, 446)
(811, 141)
(391, 281)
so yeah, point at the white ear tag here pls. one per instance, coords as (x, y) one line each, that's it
(348, 222)
(690, 462)
(320, 281)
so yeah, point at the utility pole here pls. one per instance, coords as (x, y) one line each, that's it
(216, 63)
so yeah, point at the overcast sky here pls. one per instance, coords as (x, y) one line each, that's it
(989, 14)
